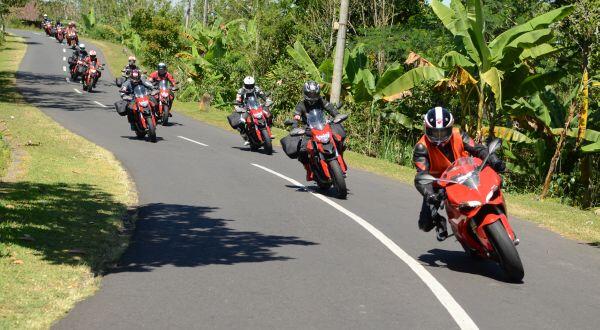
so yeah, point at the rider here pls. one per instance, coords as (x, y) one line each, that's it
(312, 100)
(46, 19)
(93, 59)
(135, 79)
(250, 89)
(130, 65)
(160, 74)
(78, 53)
(437, 149)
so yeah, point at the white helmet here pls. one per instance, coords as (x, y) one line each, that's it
(82, 46)
(249, 83)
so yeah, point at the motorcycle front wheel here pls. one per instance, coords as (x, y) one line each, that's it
(339, 182)
(151, 129)
(506, 251)
(165, 115)
(267, 143)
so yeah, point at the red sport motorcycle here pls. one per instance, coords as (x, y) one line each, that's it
(48, 28)
(72, 39)
(78, 69)
(91, 75)
(143, 112)
(165, 100)
(477, 212)
(257, 125)
(325, 151)
(60, 34)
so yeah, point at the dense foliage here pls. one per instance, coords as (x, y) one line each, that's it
(516, 69)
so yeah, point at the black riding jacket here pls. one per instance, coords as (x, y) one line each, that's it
(303, 107)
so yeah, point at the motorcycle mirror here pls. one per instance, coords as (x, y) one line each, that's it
(340, 118)
(426, 179)
(494, 145)
(288, 122)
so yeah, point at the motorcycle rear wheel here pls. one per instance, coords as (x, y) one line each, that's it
(268, 144)
(506, 251)
(339, 182)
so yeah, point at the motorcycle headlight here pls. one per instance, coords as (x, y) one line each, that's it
(144, 103)
(468, 206)
(324, 138)
(93, 70)
(258, 115)
(164, 94)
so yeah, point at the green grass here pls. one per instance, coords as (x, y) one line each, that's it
(569, 221)
(61, 210)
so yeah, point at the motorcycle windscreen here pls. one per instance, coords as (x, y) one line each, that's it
(163, 84)
(139, 91)
(463, 171)
(252, 103)
(316, 119)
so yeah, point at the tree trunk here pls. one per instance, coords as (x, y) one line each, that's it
(559, 146)
(480, 105)
(586, 180)
(336, 84)
(205, 13)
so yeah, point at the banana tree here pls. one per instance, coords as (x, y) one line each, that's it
(493, 65)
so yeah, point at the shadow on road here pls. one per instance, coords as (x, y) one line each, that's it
(64, 223)
(261, 150)
(52, 91)
(314, 189)
(459, 261)
(187, 236)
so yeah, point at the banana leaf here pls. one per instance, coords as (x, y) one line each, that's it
(299, 54)
(396, 88)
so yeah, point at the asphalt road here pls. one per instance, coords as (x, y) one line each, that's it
(222, 243)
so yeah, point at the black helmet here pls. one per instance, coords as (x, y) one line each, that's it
(136, 76)
(161, 69)
(438, 125)
(312, 92)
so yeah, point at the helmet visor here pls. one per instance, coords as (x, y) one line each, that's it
(438, 135)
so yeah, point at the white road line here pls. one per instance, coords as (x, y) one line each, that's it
(37, 33)
(459, 315)
(64, 58)
(64, 68)
(76, 90)
(196, 142)
(100, 104)
(64, 50)
(67, 79)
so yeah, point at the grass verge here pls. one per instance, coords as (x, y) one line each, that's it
(568, 221)
(61, 217)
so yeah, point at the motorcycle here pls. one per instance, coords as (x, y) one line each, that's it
(72, 39)
(324, 155)
(48, 28)
(78, 69)
(476, 212)
(90, 77)
(165, 101)
(257, 126)
(143, 113)
(60, 34)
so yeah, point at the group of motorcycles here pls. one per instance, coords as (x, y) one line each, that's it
(474, 203)
(61, 34)
(149, 107)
